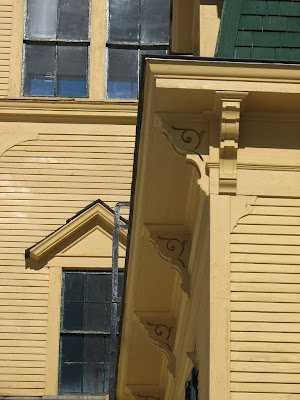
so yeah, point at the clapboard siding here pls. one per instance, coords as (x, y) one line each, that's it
(5, 41)
(265, 303)
(43, 183)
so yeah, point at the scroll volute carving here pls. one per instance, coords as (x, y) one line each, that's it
(229, 139)
(161, 330)
(174, 247)
(187, 135)
(145, 392)
(189, 138)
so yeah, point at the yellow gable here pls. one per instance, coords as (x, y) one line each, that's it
(95, 243)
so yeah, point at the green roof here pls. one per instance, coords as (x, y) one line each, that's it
(260, 29)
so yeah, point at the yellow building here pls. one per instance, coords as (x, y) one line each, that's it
(212, 294)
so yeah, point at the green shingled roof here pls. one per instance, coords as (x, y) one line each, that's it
(260, 29)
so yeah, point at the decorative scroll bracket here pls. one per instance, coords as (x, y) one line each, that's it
(145, 392)
(161, 331)
(229, 139)
(174, 246)
(189, 141)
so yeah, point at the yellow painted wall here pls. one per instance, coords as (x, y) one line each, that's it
(5, 38)
(56, 157)
(44, 182)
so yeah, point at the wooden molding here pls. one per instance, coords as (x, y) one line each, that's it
(173, 244)
(161, 330)
(105, 217)
(72, 111)
(229, 139)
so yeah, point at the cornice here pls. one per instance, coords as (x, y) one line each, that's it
(78, 111)
(215, 69)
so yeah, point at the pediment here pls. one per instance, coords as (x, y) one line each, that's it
(95, 243)
(87, 234)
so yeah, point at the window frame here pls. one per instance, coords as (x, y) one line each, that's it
(131, 46)
(56, 42)
(84, 331)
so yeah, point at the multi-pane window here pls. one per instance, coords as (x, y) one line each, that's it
(135, 27)
(56, 47)
(85, 331)
(191, 388)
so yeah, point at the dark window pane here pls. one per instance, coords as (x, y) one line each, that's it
(96, 287)
(93, 379)
(155, 21)
(106, 377)
(73, 316)
(95, 316)
(39, 74)
(109, 288)
(120, 283)
(108, 317)
(42, 15)
(72, 71)
(122, 74)
(94, 348)
(71, 378)
(73, 19)
(74, 286)
(72, 348)
(124, 20)
(107, 348)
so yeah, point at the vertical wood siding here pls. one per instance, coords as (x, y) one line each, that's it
(5, 37)
(44, 182)
(265, 302)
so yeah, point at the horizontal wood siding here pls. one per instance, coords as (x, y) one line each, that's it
(5, 40)
(43, 183)
(265, 302)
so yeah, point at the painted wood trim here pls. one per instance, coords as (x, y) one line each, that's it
(53, 331)
(107, 219)
(15, 64)
(220, 298)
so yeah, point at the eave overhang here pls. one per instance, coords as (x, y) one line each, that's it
(195, 95)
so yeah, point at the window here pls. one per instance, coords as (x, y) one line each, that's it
(56, 45)
(85, 331)
(191, 388)
(135, 27)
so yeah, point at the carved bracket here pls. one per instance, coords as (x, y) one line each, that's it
(145, 392)
(189, 138)
(229, 139)
(173, 245)
(161, 331)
